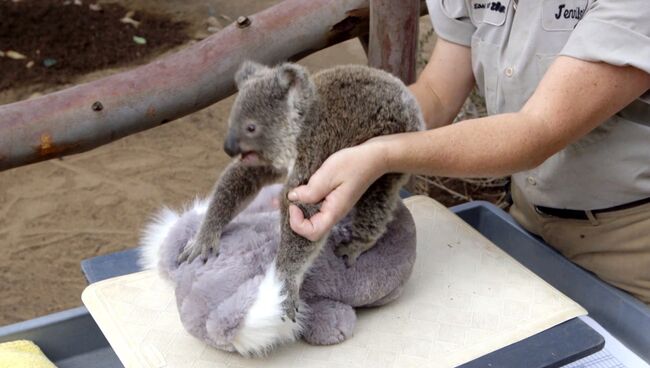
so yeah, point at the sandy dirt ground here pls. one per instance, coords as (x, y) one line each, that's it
(56, 213)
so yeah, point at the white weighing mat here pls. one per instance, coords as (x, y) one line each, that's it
(466, 298)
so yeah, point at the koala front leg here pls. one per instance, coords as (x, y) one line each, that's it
(234, 190)
(295, 255)
(372, 214)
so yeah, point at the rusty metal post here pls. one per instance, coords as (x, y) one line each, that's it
(89, 115)
(394, 37)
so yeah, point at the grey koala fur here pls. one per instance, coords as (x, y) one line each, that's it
(285, 124)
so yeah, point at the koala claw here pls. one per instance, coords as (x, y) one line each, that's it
(194, 248)
(289, 309)
(349, 253)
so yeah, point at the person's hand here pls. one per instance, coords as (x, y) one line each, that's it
(339, 183)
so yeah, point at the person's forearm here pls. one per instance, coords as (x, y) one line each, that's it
(444, 84)
(492, 146)
(436, 113)
(430, 105)
(507, 143)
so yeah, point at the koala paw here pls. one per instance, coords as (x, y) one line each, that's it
(349, 252)
(289, 309)
(195, 248)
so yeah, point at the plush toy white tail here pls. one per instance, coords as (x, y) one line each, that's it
(263, 326)
(157, 230)
(153, 236)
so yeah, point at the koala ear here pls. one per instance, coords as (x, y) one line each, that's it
(291, 75)
(248, 70)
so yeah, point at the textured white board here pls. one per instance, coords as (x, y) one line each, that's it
(466, 298)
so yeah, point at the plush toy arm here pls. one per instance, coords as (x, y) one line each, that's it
(330, 322)
(234, 190)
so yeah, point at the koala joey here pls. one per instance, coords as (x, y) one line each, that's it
(283, 125)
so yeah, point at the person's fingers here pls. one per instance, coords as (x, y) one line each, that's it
(299, 223)
(321, 223)
(332, 210)
(313, 228)
(293, 194)
(313, 192)
(296, 217)
(335, 206)
(320, 184)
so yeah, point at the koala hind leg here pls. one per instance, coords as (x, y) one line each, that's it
(372, 213)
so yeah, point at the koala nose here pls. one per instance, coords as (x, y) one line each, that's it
(231, 146)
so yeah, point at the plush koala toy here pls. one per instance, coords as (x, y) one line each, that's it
(234, 301)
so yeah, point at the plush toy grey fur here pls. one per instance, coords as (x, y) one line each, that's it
(284, 124)
(234, 301)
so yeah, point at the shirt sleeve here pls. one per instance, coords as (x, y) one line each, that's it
(451, 21)
(614, 32)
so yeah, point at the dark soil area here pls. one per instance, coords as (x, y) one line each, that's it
(60, 39)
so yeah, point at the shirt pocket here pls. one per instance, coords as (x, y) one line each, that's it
(485, 63)
(488, 11)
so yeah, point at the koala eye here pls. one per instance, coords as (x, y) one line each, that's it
(251, 128)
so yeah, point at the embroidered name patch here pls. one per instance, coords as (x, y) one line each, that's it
(563, 15)
(490, 12)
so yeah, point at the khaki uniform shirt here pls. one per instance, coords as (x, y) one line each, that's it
(514, 42)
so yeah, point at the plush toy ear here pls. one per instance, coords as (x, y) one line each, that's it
(291, 76)
(248, 70)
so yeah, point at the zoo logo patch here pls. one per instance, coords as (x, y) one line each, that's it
(490, 12)
(563, 15)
